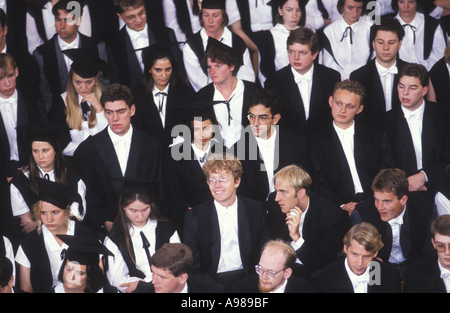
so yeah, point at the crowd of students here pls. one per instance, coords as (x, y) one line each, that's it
(224, 146)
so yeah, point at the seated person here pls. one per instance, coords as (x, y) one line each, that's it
(211, 228)
(6, 275)
(313, 225)
(403, 219)
(274, 272)
(358, 270)
(172, 267)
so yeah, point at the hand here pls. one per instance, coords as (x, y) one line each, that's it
(27, 223)
(131, 286)
(92, 99)
(109, 225)
(349, 207)
(417, 182)
(293, 222)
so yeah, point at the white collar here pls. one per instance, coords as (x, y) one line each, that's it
(417, 112)
(280, 289)
(268, 142)
(416, 22)
(343, 25)
(13, 99)
(364, 277)
(156, 90)
(136, 34)
(307, 75)
(51, 242)
(51, 174)
(73, 45)
(348, 131)
(398, 219)
(125, 138)
(221, 209)
(382, 69)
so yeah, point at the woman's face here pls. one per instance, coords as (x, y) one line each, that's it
(83, 86)
(138, 212)
(75, 277)
(54, 218)
(161, 72)
(44, 155)
(212, 21)
(203, 132)
(291, 14)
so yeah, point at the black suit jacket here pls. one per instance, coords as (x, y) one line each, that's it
(202, 235)
(375, 102)
(424, 276)
(415, 238)
(290, 148)
(324, 228)
(435, 144)
(195, 284)
(334, 279)
(332, 174)
(293, 110)
(440, 79)
(96, 161)
(295, 284)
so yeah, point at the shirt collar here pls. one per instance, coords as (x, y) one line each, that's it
(12, 99)
(280, 289)
(416, 22)
(73, 45)
(381, 68)
(221, 209)
(136, 34)
(51, 174)
(398, 219)
(355, 279)
(348, 131)
(125, 138)
(268, 142)
(343, 25)
(417, 112)
(51, 242)
(307, 75)
(156, 90)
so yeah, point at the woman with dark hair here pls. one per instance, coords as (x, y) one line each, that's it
(162, 89)
(138, 231)
(272, 43)
(46, 161)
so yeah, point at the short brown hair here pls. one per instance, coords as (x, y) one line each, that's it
(441, 225)
(304, 36)
(391, 180)
(365, 234)
(121, 5)
(297, 177)
(353, 87)
(117, 92)
(224, 17)
(301, 4)
(218, 55)
(175, 257)
(223, 162)
(6, 59)
(415, 70)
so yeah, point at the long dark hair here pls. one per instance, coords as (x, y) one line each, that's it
(150, 60)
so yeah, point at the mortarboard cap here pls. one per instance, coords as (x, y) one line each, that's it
(213, 4)
(212, 42)
(57, 194)
(43, 132)
(86, 63)
(84, 250)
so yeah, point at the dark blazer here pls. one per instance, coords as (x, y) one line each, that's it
(415, 238)
(323, 231)
(34, 247)
(290, 148)
(292, 106)
(96, 162)
(195, 284)
(374, 104)
(332, 174)
(440, 79)
(27, 113)
(424, 276)
(435, 143)
(124, 54)
(334, 279)
(202, 235)
(147, 117)
(295, 284)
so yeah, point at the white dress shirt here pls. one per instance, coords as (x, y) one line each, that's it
(139, 40)
(8, 111)
(197, 77)
(118, 272)
(304, 83)
(202, 156)
(413, 52)
(66, 46)
(52, 248)
(231, 128)
(298, 244)
(350, 56)
(396, 251)
(415, 123)
(260, 15)
(122, 147)
(230, 255)
(445, 275)
(160, 100)
(346, 137)
(359, 282)
(387, 81)
(267, 151)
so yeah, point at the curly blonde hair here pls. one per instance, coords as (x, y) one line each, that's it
(223, 162)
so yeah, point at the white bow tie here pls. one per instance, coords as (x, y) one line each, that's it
(138, 35)
(391, 70)
(122, 140)
(409, 114)
(445, 274)
(300, 78)
(66, 46)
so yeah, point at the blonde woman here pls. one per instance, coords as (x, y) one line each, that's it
(80, 107)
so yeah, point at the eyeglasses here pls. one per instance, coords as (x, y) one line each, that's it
(221, 180)
(262, 118)
(440, 247)
(271, 274)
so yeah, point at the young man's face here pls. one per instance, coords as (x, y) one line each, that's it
(273, 259)
(134, 18)
(165, 282)
(389, 205)
(119, 116)
(286, 196)
(8, 82)
(411, 92)
(386, 46)
(261, 121)
(66, 26)
(223, 192)
(351, 11)
(442, 244)
(358, 258)
(300, 57)
(345, 105)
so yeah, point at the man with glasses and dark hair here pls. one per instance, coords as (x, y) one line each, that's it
(432, 273)
(274, 272)
(267, 148)
(226, 233)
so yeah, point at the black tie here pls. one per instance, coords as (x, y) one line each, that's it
(346, 34)
(227, 103)
(203, 158)
(158, 94)
(146, 245)
(47, 177)
(85, 108)
(413, 28)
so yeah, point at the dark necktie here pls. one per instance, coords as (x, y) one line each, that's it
(86, 109)
(203, 158)
(146, 245)
(227, 103)
(47, 177)
(161, 99)
(413, 28)
(345, 34)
